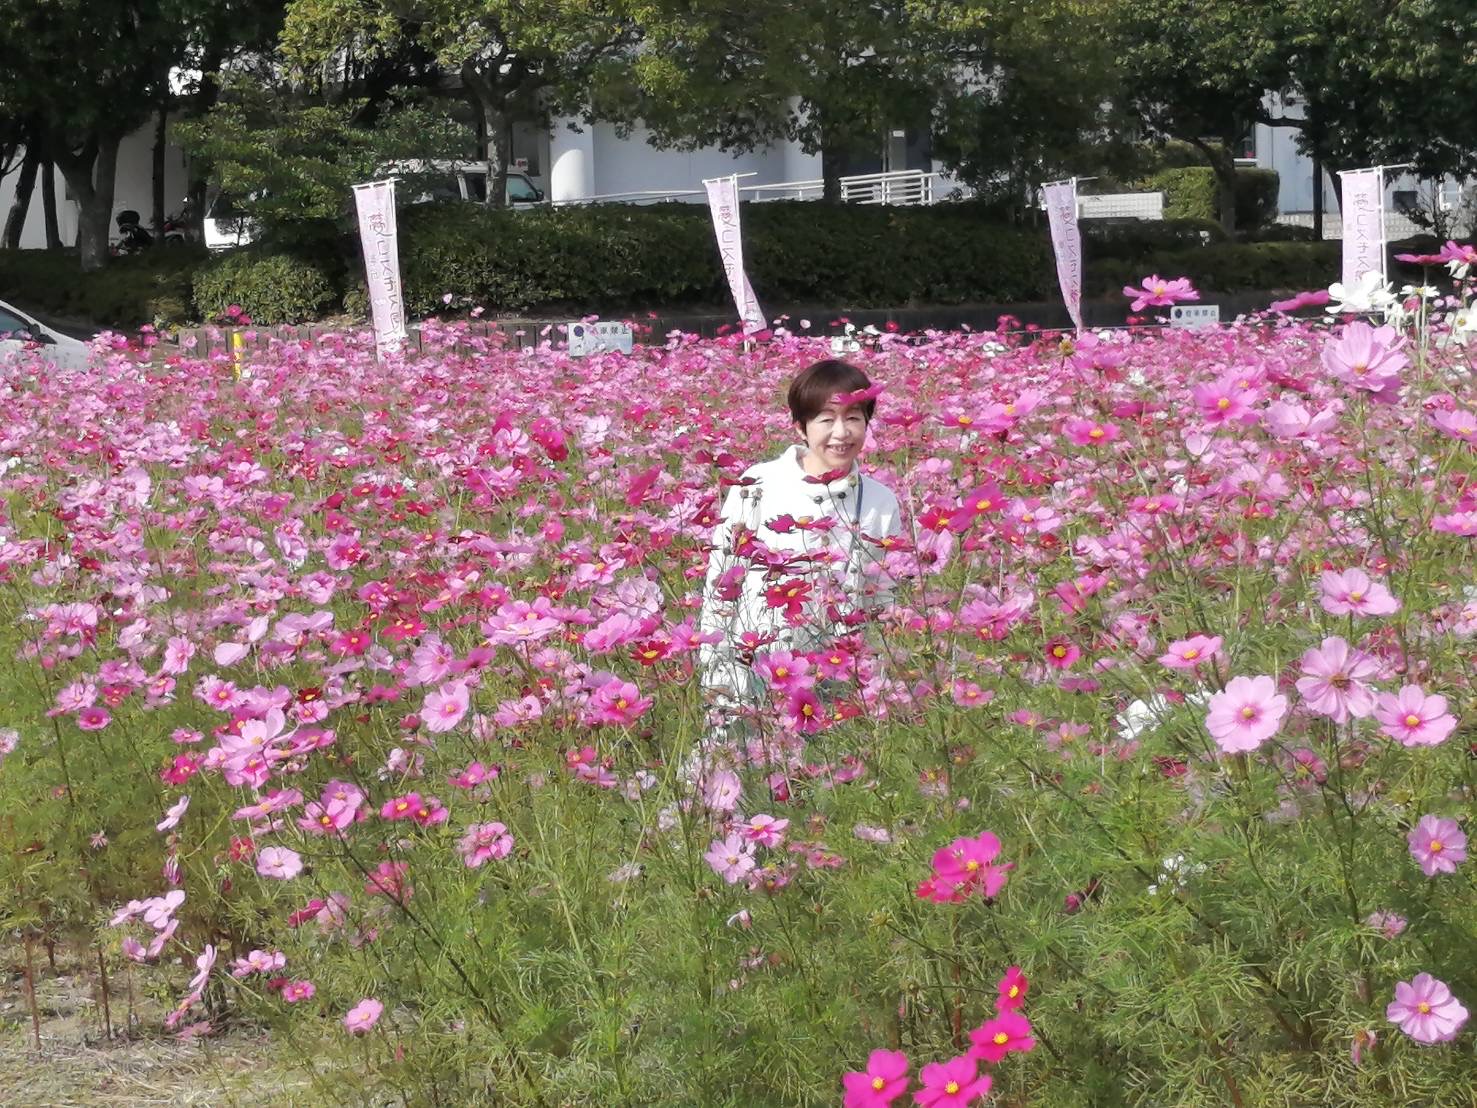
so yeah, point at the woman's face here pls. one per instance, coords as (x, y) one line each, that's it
(835, 436)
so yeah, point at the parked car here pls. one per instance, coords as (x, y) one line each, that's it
(446, 180)
(18, 332)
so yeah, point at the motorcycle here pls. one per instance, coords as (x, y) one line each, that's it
(134, 237)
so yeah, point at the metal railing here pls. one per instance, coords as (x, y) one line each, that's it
(910, 187)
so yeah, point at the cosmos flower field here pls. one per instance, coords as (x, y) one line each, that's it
(357, 701)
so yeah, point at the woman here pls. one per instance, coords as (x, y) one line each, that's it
(797, 554)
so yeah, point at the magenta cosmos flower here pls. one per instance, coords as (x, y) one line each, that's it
(483, 842)
(1412, 718)
(1246, 714)
(363, 1016)
(1157, 292)
(1335, 679)
(1009, 1031)
(1425, 1010)
(1354, 592)
(883, 1081)
(1437, 844)
(951, 1084)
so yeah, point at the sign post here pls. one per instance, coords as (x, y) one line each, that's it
(375, 203)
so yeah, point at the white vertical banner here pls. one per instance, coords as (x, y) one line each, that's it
(1066, 243)
(375, 203)
(723, 202)
(1364, 224)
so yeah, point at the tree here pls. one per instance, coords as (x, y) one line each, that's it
(1382, 82)
(829, 75)
(515, 61)
(1015, 117)
(1200, 72)
(89, 72)
(290, 166)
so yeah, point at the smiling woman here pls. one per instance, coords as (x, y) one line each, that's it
(797, 555)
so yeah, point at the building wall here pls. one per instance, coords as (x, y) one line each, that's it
(133, 188)
(634, 165)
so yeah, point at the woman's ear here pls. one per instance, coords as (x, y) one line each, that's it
(800, 430)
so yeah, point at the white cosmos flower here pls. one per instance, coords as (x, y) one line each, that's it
(1369, 294)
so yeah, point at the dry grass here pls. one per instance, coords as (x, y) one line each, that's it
(140, 1065)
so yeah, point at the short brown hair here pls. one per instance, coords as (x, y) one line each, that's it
(813, 387)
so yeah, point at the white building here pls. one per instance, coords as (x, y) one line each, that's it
(133, 188)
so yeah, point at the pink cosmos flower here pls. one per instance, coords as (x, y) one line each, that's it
(1388, 924)
(783, 670)
(1334, 684)
(883, 1081)
(618, 702)
(296, 991)
(1354, 592)
(1437, 844)
(951, 1084)
(1246, 714)
(1090, 432)
(1061, 653)
(964, 867)
(363, 1016)
(1367, 358)
(1412, 718)
(1314, 299)
(1224, 401)
(279, 862)
(258, 961)
(445, 707)
(764, 830)
(1009, 1031)
(1159, 293)
(1459, 424)
(1191, 652)
(1425, 1010)
(173, 816)
(483, 842)
(731, 857)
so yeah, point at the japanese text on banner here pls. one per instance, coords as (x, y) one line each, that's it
(375, 203)
(723, 202)
(1066, 242)
(1364, 224)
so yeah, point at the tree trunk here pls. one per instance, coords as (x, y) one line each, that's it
(161, 125)
(1223, 165)
(20, 207)
(90, 176)
(48, 205)
(205, 98)
(497, 151)
(1317, 198)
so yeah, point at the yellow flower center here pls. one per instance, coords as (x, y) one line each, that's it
(1223, 403)
(1435, 846)
(952, 1088)
(1190, 655)
(1412, 720)
(971, 865)
(1356, 596)
(1423, 1008)
(1015, 991)
(965, 421)
(1248, 712)
(1095, 433)
(1001, 1038)
(878, 1084)
(621, 703)
(982, 505)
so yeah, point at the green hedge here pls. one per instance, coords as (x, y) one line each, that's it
(619, 258)
(144, 288)
(270, 288)
(1191, 192)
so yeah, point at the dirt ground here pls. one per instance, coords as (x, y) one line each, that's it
(79, 1065)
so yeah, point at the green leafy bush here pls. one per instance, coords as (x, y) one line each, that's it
(1227, 266)
(271, 288)
(144, 288)
(1190, 192)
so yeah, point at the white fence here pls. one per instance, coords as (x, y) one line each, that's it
(910, 187)
(1121, 205)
